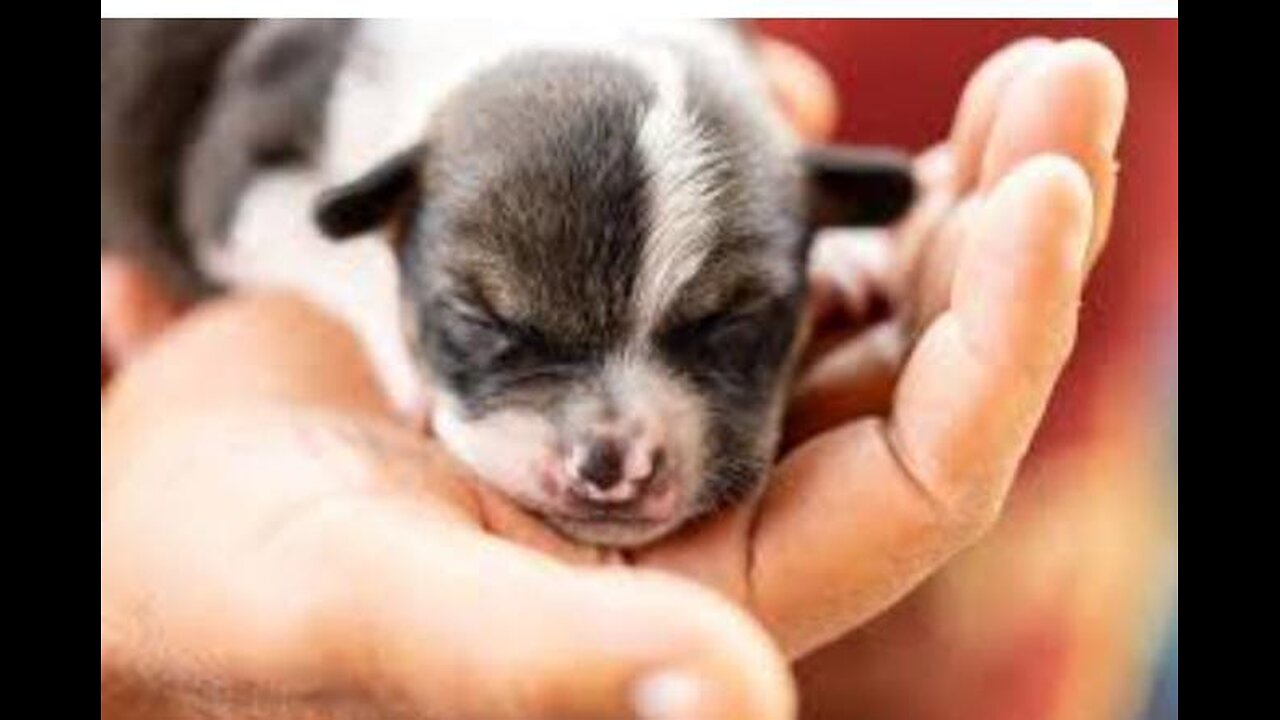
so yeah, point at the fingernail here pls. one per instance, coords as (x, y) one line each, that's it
(666, 695)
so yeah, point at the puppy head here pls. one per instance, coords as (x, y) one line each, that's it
(603, 276)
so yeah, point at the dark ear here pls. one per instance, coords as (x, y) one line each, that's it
(368, 201)
(854, 186)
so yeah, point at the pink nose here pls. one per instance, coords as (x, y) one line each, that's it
(608, 470)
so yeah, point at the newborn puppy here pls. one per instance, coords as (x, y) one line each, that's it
(589, 241)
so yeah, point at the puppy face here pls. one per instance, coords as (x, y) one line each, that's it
(602, 272)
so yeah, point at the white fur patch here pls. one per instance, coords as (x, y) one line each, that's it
(398, 71)
(680, 156)
(274, 244)
(510, 449)
(519, 450)
(682, 162)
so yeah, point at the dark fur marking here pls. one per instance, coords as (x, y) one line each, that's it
(191, 111)
(535, 209)
(857, 186)
(157, 77)
(370, 200)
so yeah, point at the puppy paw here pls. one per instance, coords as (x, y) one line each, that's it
(856, 271)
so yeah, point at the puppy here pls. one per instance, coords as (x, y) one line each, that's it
(588, 240)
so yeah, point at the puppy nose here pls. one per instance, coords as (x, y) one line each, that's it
(609, 470)
(601, 464)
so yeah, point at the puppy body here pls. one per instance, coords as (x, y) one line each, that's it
(589, 239)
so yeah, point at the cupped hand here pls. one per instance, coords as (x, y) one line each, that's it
(904, 438)
(272, 541)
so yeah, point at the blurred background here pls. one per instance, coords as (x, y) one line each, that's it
(1068, 610)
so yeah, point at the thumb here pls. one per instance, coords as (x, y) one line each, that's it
(464, 625)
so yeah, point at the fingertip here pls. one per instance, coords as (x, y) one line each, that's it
(980, 102)
(1021, 46)
(1072, 102)
(667, 695)
(1096, 69)
(1057, 176)
(1097, 66)
(1050, 188)
(549, 641)
(802, 87)
(936, 167)
(730, 667)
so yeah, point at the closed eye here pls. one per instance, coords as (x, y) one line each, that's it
(725, 318)
(545, 373)
(471, 338)
(479, 317)
(712, 322)
(735, 303)
(477, 313)
(520, 348)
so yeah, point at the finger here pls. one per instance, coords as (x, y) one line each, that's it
(851, 380)
(802, 88)
(933, 240)
(1072, 103)
(935, 167)
(975, 386)
(929, 292)
(916, 236)
(857, 516)
(980, 102)
(1069, 100)
(135, 307)
(463, 625)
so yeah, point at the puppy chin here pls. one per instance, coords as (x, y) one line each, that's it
(618, 533)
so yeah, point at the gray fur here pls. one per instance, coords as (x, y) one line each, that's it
(192, 110)
(157, 76)
(521, 254)
(267, 110)
(533, 214)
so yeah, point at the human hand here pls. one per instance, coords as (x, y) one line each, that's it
(274, 544)
(313, 549)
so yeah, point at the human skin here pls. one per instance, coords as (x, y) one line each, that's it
(276, 544)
